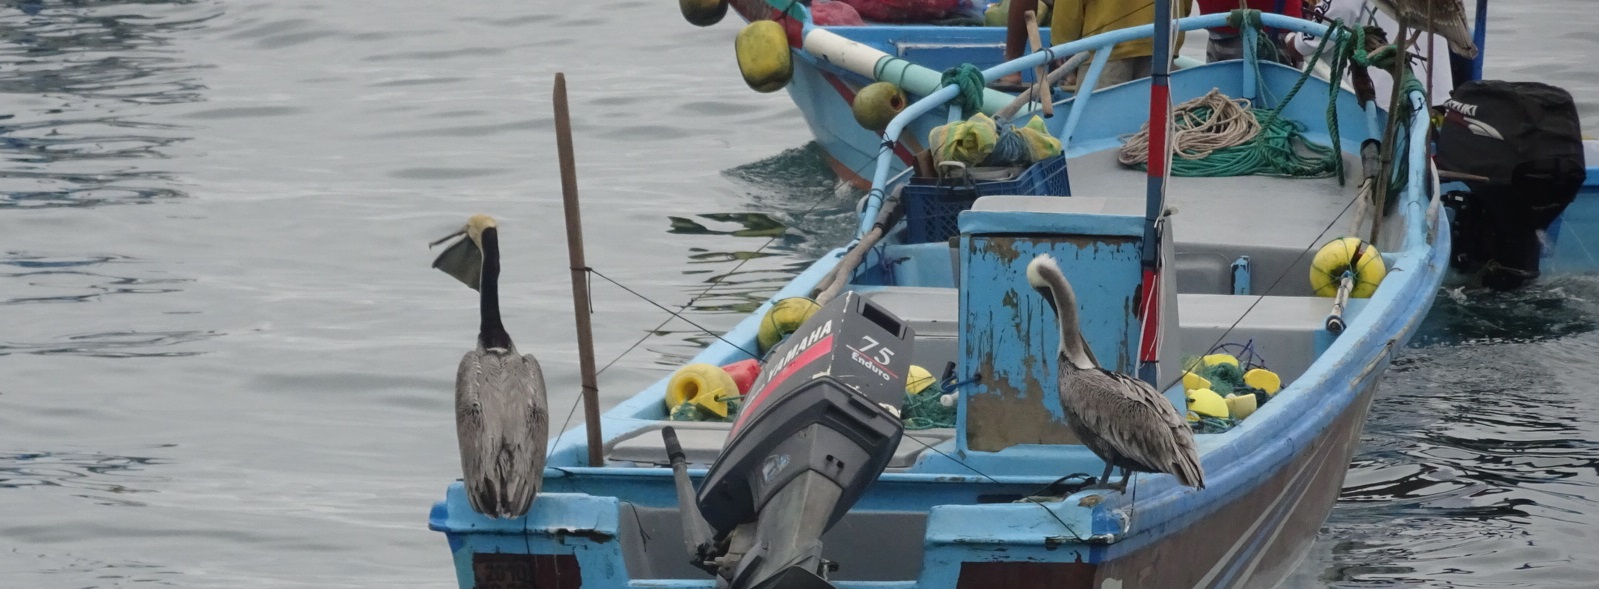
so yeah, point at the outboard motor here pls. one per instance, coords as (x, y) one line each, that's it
(1523, 142)
(818, 426)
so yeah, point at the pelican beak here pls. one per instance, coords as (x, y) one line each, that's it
(461, 259)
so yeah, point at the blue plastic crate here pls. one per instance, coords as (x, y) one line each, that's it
(932, 206)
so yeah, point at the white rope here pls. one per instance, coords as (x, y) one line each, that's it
(1231, 123)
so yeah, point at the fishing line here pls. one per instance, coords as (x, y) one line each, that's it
(678, 313)
(646, 299)
(980, 473)
(1273, 286)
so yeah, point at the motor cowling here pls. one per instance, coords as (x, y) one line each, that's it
(1524, 140)
(818, 426)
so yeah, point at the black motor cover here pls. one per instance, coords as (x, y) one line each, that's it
(1526, 139)
(826, 401)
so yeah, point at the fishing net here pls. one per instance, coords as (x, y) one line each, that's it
(926, 410)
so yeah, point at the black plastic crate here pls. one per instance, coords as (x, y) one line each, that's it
(933, 205)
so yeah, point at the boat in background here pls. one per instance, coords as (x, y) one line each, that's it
(831, 64)
(1001, 498)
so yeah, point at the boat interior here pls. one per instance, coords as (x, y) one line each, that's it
(1237, 257)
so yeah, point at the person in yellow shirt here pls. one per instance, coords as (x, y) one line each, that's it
(1075, 19)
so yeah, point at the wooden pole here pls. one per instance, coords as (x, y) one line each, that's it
(1041, 81)
(1389, 134)
(580, 288)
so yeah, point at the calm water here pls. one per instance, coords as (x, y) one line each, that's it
(224, 361)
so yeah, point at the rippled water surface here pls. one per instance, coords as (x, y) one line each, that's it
(225, 363)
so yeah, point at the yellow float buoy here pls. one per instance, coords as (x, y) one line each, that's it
(1193, 381)
(877, 104)
(763, 56)
(1345, 255)
(703, 13)
(917, 379)
(706, 385)
(1216, 359)
(1264, 380)
(1241, 406)
(783, 318)
(1205, 403)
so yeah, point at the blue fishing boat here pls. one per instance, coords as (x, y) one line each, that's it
(816, 481)
(831, 64)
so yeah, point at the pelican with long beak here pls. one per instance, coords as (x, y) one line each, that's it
(1123, 420)
(501, 417)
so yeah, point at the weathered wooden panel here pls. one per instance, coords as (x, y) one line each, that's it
(1010, 336)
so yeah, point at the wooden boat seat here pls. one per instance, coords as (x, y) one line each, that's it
(1288, 332)
(932, 312)
(1282, 216)
(702, 443)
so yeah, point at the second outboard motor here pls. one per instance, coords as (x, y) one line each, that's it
(818, 426)
(1524, 141)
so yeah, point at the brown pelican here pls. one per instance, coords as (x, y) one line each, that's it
(501, 417)
(1448, 20)
(1123, 420)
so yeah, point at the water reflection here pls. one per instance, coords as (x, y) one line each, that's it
(83, 76)
(44, 279)
(92, 472)
(1553, 308)
(747, 256)
(1478, 457)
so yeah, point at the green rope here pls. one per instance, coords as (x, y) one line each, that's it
(1212, 425)
(1280, 148)
(925, 410)
(969, 79)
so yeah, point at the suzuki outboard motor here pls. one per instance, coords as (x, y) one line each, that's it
(1525, 142)
(817, 427)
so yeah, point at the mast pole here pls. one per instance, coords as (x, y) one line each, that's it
(580, 287)
(1479, 34)
(1155, 195)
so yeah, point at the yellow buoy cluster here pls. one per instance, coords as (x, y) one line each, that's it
(763, 56)
(877, 104)
(1204, 401)
(1352, 255)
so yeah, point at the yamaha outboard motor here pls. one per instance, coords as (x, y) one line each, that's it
(818, 426)
(1524, 142)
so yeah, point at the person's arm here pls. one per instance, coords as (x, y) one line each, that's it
(1016, 27)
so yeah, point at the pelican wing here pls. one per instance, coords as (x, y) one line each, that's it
(481, 490)
(1136, 421)
(1446, 18)
(502, 425)
(525, 425)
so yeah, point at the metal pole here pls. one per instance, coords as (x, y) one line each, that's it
(580, 288)
(1155, 195)
(1479, 34)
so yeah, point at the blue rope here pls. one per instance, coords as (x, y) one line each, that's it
(1009, 147)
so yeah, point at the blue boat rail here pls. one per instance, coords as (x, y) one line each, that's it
(1099, 45)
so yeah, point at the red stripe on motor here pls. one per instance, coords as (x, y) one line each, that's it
(816, 350)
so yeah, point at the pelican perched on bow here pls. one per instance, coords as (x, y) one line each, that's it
(501, 416)
(1445, 18)
(1123, 420)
